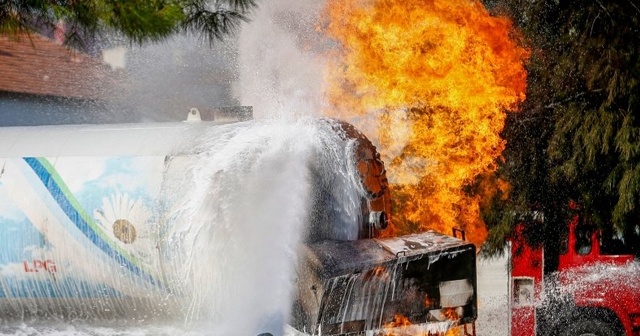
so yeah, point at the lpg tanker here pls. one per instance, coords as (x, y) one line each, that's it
(110, 220)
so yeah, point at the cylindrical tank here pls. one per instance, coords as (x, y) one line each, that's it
(86, 212)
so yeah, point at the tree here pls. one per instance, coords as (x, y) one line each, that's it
(577, 137)
(137, 20)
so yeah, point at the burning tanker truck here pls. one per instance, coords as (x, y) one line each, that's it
(94, 224)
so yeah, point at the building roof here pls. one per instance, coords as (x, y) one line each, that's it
(34, 64)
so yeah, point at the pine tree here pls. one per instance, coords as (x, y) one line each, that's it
(577, 136)
(137, 20)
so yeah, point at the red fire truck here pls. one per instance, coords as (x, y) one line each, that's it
(593, 287)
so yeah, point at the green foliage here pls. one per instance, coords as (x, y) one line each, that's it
(218, 22)
(139, 21)
(577, 136)
(142, 20)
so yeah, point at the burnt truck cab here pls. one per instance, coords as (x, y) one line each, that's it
(421, 284)
(593, 290)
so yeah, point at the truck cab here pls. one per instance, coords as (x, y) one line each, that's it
(593, 288)
(586, 245)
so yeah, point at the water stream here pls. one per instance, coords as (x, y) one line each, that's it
(248, 202)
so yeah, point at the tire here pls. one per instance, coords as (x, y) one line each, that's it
(588, 328)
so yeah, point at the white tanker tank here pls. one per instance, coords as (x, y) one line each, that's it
(92, 225)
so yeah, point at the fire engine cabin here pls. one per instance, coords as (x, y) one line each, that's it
(593, 288)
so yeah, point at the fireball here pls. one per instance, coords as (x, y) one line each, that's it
(436, 78)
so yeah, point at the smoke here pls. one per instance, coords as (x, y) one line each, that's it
(280, 71)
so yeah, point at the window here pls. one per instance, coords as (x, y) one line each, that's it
(583, 239)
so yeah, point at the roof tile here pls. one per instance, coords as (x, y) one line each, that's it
(34, 64)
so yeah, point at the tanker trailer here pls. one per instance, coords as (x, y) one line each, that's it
(98, 221)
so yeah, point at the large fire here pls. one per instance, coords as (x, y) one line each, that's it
(435, 77)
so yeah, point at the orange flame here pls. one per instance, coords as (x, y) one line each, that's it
(453, 332)
(428, 302)
(399, 321)
(435, 77)
(380, 271)
(401, 324)
(450, 314)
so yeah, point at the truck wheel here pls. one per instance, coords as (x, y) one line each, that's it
(588, 328)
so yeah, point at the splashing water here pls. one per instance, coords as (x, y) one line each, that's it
(280, 68)
(248, 197)
(596, 278)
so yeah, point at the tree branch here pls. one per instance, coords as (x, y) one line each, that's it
(634, 6)
(566, 100)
